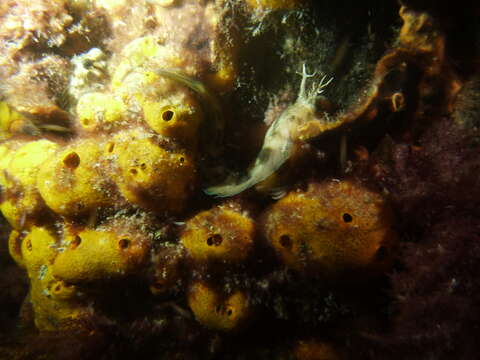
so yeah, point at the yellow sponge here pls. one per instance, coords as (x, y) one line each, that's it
(38, 250)
(179, 121)
(73, 182)
(11, 121)
(219, 234)
(149, 175)
(22, 200)
(56, 305)
(333, 227)
(99, 254)
(217, 312)
(97, 110)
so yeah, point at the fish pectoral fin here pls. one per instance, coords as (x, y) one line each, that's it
(278, 192)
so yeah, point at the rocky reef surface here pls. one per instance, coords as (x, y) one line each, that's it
(239, 179)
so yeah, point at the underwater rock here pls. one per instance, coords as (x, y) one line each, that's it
(315, 350)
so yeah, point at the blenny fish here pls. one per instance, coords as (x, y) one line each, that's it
(279, 140)
(213, 111)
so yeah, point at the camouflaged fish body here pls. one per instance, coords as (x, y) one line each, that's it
(279, 139)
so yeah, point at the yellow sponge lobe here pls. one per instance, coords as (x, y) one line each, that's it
(151, 176)
(219, 234)
(333, 227)
(94, 254)
(22, 200)
(96, 110)
(217, 312)
(73, 181)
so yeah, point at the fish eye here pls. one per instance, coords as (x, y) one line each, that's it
(87, 63)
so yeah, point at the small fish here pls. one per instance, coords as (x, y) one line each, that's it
(211, 106)
(13, 121)
(279, 140)
(54, 128)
